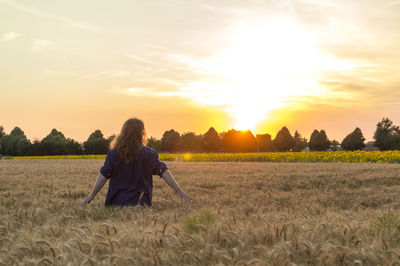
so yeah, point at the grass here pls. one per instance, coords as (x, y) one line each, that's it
(200, 222)
(253, 213)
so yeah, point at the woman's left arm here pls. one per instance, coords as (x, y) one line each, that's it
(101, 180)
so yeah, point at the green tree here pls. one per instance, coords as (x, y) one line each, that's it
(191, 142)
(111, 139)
(264, 143)
(2, 133)
(37, 148)
(17, 132)
(300, 143)
(354, 141)
(247, 141)
(392, 141)
(230, 141)
(171, 141)
(335, 145)
(96, 143)
(16, 143)
(283, 140)
(382, 135)
(211, 142)
(154, 143)
(73, 147)
(54, 143)
(319, 141)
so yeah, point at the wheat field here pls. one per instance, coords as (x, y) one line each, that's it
(243, 213)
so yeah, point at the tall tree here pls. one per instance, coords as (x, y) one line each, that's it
(319, 141)
(230, 141)
(211, 142)
(283, 140)
(300, 143)
(325, 143)
(54, 143)
(191, 142)
(354, 141)
(110, 139)
(37, 149)
(73, 147)
(247, 141)
(96, 143)
(392, 142)
(171, 141)
(17, 132)
(2, 133)
(154, 143)
(382, 136)
(264, 143)
(15, 143)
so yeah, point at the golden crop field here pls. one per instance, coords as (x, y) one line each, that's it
(322, 156)
(243, 213)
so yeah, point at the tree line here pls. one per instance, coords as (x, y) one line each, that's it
(386, 137)
(55, 143)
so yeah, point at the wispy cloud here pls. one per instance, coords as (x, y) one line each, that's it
(11, 36)
(43, 14)
(108, 73)
(138, 59)
(394, 2)
(53, 72)
(317, 2)
(40, 44)
(143, 92)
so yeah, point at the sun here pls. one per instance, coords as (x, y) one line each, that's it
(265, 65)
(270, 62)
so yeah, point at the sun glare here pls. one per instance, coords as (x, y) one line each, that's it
(265, 65)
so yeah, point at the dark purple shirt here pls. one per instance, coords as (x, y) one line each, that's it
(132, 183)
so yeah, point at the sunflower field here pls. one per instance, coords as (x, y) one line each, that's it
(324, 156)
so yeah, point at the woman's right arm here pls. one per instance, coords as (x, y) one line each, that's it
(100, 182)
(167, 176)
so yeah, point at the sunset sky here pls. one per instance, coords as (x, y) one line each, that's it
(306, 64)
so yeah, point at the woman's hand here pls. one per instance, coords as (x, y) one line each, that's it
(87, 200)
(101, 180)
(183, 195)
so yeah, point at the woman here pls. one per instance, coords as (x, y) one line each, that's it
(130, 166)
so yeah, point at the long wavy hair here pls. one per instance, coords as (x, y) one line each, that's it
(131, 140)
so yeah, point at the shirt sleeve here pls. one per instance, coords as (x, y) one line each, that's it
(107, 169)
(157, 167)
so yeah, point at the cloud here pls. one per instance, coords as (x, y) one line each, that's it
(317, 3)
(138, 59)
(43, 14)
(108, 73)
(11, 36)
(52, 72)
(40, 44)
(143, 92)
(394, 2)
